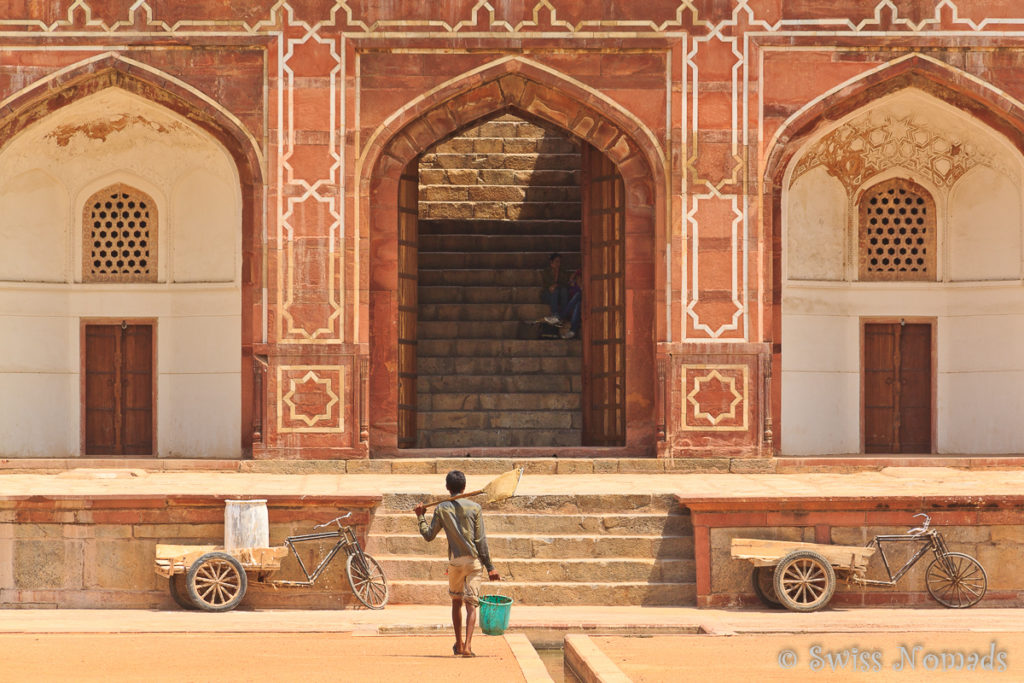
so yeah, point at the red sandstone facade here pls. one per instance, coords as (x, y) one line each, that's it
(700, 104)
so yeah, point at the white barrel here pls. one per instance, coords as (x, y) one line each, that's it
(245, 524)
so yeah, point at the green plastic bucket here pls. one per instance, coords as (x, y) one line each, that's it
(494, 613)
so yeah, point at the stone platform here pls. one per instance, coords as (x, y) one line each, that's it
(882, 655)
(85, 537)
(986, 524)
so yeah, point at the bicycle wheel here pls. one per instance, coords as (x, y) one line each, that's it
(956, 580)
(764, 588)
(804, 581)
(367, 580)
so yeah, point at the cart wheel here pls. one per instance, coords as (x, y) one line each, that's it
(216, 582)
(762, 579)
(956, 580)
(804, 581)
(367, 580)
(179, 591)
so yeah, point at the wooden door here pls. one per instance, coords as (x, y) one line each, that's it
(604, 331)
(408, 215)
(897, 388)
(118, 397)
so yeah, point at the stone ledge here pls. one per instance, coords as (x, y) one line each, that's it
(589, 664)
(530, 664)
(571, 461)
(869, 463)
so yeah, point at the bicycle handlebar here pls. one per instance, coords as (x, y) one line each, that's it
(917, 531)
(336, 520)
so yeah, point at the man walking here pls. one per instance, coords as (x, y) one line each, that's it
(463, 524)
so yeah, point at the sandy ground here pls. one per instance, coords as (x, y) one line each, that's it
(263, 657)
(918, 656)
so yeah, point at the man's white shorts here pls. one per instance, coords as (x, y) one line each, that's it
(464, 576)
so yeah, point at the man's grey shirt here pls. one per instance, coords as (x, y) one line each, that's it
(463, 523)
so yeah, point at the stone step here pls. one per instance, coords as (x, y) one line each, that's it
(567, 504)
(472, 365)
(404, 592)
(499, 176)
(533, 401)
(468, 330)
(500, 210)
(494, 330)
(432, 420)
(496, 348)
(549, 227)
(498, 192)
(498, 260)
(503, 384)
(481, 294)
(418, 568)
(517, 162)
(498, 438)
(490, 277)
(508, 144)
(595, 525)
(484, 312)
(545, 244)
(508, 546)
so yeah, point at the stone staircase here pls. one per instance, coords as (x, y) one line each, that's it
(494, 203)
(552, 550)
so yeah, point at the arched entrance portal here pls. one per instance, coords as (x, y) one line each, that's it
(619, 224)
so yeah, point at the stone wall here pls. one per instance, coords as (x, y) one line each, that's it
(992, 534)
(100, 552)
(704, 106)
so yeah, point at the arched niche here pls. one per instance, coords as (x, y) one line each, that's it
(969, 174)
(109, 139)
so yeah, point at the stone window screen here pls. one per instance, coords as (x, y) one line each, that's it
(897, 232)
(119, 236)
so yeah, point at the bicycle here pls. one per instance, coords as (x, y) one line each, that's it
(804, 575)
(365, 575)
(953, 579)
(214, 580)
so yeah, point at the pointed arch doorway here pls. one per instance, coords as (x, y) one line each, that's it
(617, 245)
(599, 401)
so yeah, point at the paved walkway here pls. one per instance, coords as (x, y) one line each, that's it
(889, 482)
(174, 657)
(905, 656)
(421, 619)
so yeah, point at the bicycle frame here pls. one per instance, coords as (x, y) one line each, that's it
(347, 541)
(929, 540)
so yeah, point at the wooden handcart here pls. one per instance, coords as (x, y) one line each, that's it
(210, 578)
(805, 574)
(801, 576)
(213, 579)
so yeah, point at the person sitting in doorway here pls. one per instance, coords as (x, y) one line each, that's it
(571, 312)
(555, 288)
(463, 525)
